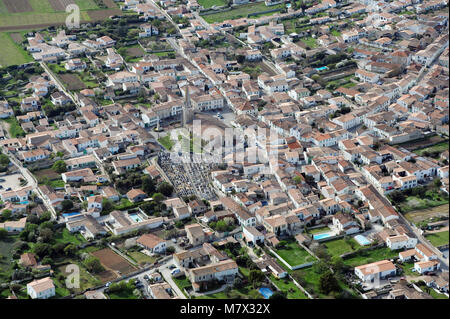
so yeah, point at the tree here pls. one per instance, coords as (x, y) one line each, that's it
(93, 264)
(4, 159)
(3, 233)
(297, 179)
(256, 277)
(70, 250)
(66, 205)
(59, 166)
(158, 197)
(170, 250)
(46, 234)
(165, 188)
(6, 214)
(46, 216)
(148, 185)
(278, 295)
(42, 249)
(437, 182)
(328, 283)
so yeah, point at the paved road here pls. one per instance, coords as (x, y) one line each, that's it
(168, 278)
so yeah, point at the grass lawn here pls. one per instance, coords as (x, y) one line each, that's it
(440, 147)
(438, 239)
(407, 266)
(86, 279)
(416, 203)
(66, 237)
(141, 258)
(335, 33)
(182, 283)
(6, 251)
(246, 292)
(15, 129)
(240, 12)
(166, 142)
(339, 247)
(57, 183)
(11, 53)
(122, 295)
(209, 3)
(311, 42)
(318, 230)
(287, 286)
(294, 255)
(368, 257)
(432, 292)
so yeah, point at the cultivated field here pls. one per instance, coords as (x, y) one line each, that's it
(72, 82)
(113, 261)
(15, 6)
(241, 12)
(11, 53)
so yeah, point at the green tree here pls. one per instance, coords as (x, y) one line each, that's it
(4, 159)
(328, 283)
(66, 205)
(60, 166)
(3, 233)
(42, 249)
(165, 188)
(70, 250)
(93, 264)
(6, 214)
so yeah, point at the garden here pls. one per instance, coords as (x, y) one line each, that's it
(293, 254)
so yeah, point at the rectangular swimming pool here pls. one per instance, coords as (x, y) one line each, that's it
(70, 214)
(363, 241)
(322, 235)
(136, 218)
(266, 292)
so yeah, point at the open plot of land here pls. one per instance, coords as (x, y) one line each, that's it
(141, 258)
(418, 216)
(61, 5)
(86, 279)
(6, 250)
(422, 143)
(15, 6)
(413, 203)
(286, 285)
(12, 181)
(367, 257)
(17, 37)
(11, 52)
(98, 15)
(294, 255)
(113, 261)
(46, 173)
(439, 238)
(209, 3)
(437, 148)
(72, 82)
(109, 3)
(240, 12)
(339, 247)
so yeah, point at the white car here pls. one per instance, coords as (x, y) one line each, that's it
(175, 271)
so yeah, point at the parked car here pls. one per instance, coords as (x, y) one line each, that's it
(175, 271)
(172, 266)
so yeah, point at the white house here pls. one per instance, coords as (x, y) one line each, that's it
(41, 289)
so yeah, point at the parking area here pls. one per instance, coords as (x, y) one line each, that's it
(10, 181)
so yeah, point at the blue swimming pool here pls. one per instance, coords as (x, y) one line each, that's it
(363, 241)
(322, 236)
(322, 68)
(24, 202)
(266, 292)
(70, 214)
(136, 218)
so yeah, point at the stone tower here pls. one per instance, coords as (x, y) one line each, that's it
(187, 109)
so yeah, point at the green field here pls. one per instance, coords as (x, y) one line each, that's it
(141, 258)
(319, 230)
(367, 257)
(310, 42)
(11, 53)
(42, 13)
(295, 255)
(209, 3)
(66, 237)
(413, 203)
(240, 12)
(438, 239)
(339, 247)
(286, 285)
(15, 129)
(166, 142)
(439, 148)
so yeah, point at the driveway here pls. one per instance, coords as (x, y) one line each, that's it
(168, 278)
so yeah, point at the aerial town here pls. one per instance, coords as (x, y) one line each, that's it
(224, 149)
